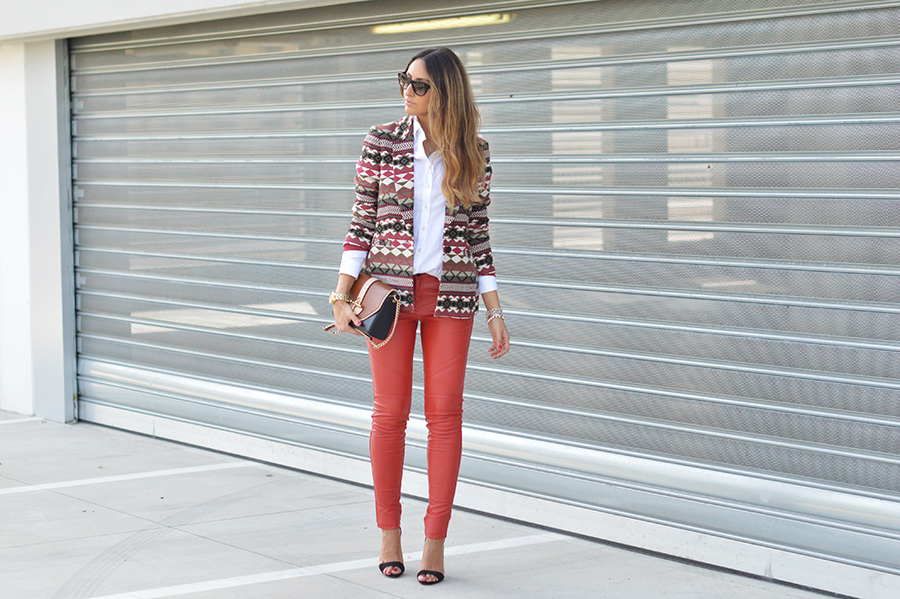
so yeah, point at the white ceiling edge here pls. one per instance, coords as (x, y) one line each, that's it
(57, 19)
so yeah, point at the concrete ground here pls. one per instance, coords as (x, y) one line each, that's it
(92, 512)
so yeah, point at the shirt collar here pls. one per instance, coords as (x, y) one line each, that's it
(418, 140)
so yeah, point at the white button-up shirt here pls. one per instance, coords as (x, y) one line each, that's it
(429, 208)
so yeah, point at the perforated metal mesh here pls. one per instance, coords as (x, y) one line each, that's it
(695, 219)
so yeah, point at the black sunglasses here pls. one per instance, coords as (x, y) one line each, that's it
(419, 87)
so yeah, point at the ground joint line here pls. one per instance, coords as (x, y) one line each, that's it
(123, 477)
(250, 579)
(17, 420)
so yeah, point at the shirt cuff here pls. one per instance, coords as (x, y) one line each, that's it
(486, 283)
(352, 262)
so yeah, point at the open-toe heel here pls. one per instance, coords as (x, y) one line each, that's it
(437, 576)
(392, 565)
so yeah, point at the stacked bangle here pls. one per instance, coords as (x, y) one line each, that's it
(494, 313)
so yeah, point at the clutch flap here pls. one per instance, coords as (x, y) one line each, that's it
(368, 295)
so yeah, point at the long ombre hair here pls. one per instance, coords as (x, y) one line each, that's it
(453, 121)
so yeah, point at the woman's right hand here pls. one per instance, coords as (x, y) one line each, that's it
(343, 313)
(343, 316)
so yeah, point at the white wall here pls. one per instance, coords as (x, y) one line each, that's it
(15, 310)
(36, 295)
(50, 224)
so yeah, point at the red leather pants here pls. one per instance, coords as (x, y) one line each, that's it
(445, 348)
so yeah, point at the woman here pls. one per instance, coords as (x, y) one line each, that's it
(420, 225)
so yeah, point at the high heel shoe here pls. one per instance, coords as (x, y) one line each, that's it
(392, 565)
(438, 576)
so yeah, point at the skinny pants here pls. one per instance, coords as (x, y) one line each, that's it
(445, 348)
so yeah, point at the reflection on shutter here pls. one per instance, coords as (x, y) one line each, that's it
(695, 221)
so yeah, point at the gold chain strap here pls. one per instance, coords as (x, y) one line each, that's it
(393, 326)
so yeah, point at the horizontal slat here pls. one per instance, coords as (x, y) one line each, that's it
(593, 415)
(229, 358)
(192, 185)
(674, 225)
(599, 127)
(559, 285)
(554, 318)
(213, 210)
(181, 305)
(222, 234)
(714, 192)
(717, 296)
(214, 259)
(216, 161)
(281, 318)
(666, 426)
(357, 133)
(615, 27)
(618, 257)
(587, 222)
(649, 158)
(696, 261)
(174, 37)
(718, 192)
(206, 282)
(571, 96)
(475, 367)
(574, 350)
(742, 402)
(552, 65)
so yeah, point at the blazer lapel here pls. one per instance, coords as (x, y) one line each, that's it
(404, 169)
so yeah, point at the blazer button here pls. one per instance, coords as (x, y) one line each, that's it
(446, 249)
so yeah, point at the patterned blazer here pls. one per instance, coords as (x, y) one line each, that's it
(382, 223)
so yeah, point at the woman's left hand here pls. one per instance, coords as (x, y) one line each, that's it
(500, 336)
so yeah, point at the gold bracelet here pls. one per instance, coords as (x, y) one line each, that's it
(338, 297)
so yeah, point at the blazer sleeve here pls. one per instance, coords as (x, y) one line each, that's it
(479, 234)
(368, 175)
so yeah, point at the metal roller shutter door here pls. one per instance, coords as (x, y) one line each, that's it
(695, 223)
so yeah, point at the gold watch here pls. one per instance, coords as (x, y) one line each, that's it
(338, 297)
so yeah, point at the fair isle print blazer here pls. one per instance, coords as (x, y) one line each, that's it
(382, 223)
